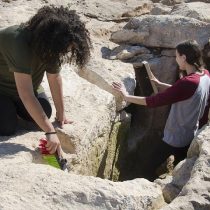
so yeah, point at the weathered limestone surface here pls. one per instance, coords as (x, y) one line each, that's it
(112, 10)
(157, 31)
(164, 68)
(169, 2)
(104, 11)
(93, 111)
(160, 9)
(179, 178)
(124, 52)
(175, 2)
(25, 183)
(34, 186)
(197, 10)
(103, 72)
(188, 187)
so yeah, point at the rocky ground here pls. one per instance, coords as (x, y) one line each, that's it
(124, 33)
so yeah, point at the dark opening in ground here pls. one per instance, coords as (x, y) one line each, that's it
(145, 134)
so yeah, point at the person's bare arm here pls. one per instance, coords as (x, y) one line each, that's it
(56, 88)
(32, 105)
(132, 99)
(136, 100)
(160, 85)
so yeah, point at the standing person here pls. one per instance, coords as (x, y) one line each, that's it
(189, 98)
(27, 51)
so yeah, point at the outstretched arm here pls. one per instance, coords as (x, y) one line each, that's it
(56, 88)
(181, 90)
(32, 105)
(132, 99)
(160, 85)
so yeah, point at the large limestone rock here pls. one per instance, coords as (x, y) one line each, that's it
(156, 31)
(205, 1)
(102, 72)
(93, 111)
(34, 186)
(197, 10)
(169, 2)
(188, 188)
(175, 2)
(126, 52)
(160, 9)
(179, 178)
(164, 68)
(106, 11)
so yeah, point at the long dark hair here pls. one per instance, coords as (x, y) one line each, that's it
(191, 50)
(54, 30)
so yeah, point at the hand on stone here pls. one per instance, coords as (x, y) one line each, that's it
(61, 119)
(120, 88)
(155, 80)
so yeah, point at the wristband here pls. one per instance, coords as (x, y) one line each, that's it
(48, 133)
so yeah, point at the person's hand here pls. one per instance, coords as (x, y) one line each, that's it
(120, 88)
(61, 119)
(155, 80)
(53, 144)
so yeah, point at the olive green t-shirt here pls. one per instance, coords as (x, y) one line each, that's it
(16, 55)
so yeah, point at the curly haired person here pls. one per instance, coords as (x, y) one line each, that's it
(189, 100)
(27, 51)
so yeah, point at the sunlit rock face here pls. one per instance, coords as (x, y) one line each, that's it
(124, 33)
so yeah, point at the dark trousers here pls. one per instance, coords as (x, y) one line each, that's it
(10, 108)
(160, 155)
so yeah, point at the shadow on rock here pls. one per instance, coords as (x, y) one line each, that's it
(11, 149)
